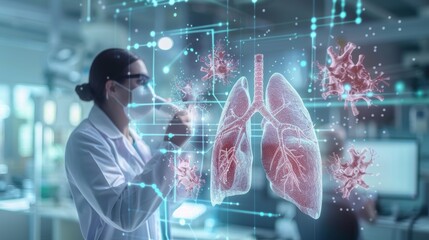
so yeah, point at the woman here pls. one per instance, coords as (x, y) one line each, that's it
(116, 184)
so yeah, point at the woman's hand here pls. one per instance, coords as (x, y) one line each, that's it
(179, 129)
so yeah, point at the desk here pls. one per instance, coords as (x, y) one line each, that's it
(388, 228)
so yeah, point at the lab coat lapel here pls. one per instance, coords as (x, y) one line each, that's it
(141, 148)
(103, 124)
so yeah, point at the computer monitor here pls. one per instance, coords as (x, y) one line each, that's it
(394, 172)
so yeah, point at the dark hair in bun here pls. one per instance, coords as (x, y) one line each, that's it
(110, 64)
(84, 92)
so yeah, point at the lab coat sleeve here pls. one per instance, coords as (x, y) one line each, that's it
(124, 205)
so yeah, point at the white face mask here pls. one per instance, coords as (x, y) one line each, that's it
(141, 101)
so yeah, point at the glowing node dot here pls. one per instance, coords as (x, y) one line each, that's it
(166, 69)
(399, 87)
(313, 26)
(136, 46)
(313, 34)
(152, 33)
(313, 20)
(358, 20)
(182, 222)
(347, 87)
(343, 15)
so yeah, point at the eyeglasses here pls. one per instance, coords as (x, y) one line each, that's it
(142, 79)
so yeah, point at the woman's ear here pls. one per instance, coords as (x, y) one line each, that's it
(109, 88)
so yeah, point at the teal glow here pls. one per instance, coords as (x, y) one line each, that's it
(303, 63)
(166, 69)
(313, 20)
(313, 34)
(343, 15)
(358, 20)
(313, 26)
(152, 33)
(347, 87)
(400, 87)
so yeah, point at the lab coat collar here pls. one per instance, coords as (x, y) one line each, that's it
(103, 123)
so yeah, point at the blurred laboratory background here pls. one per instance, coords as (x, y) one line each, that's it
(47, 46)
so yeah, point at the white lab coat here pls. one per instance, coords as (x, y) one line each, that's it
(100, 163)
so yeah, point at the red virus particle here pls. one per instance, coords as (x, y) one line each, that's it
(350, 81)
(218, 65)
(350, 174)
(186, 175)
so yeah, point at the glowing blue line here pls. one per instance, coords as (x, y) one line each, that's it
(206, 27)
(88, 10)
(261, 214)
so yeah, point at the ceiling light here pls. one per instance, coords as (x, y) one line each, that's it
(165, 43)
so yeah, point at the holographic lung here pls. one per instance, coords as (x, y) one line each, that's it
(290, 152)
(350, 81)
(350, 174)
(218, 65)
(232, 155)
